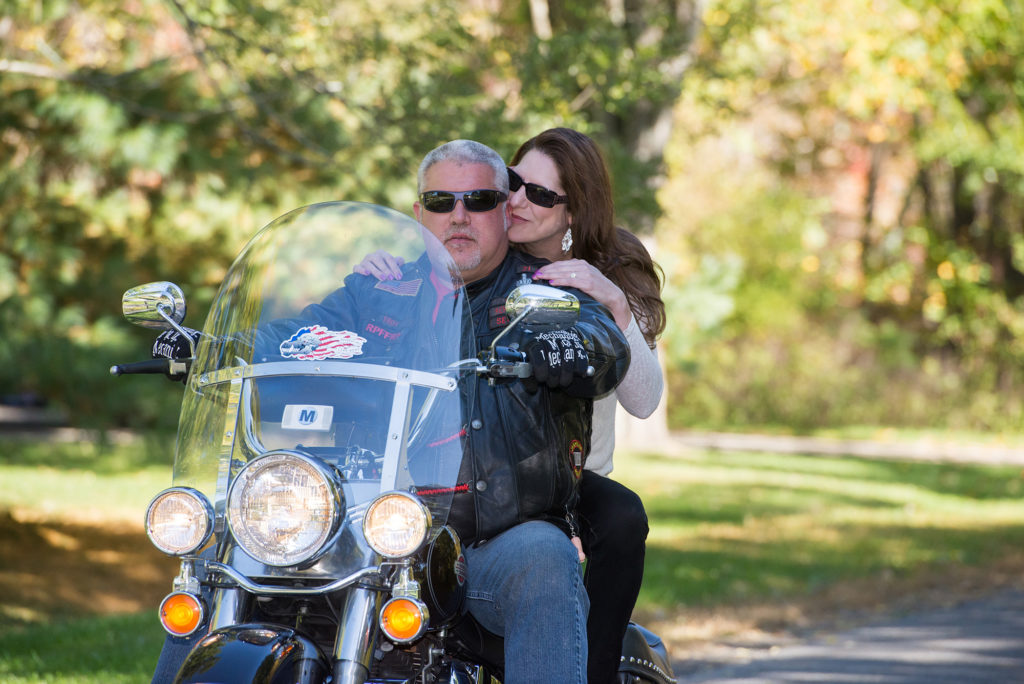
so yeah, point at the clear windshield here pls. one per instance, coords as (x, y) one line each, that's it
(300, 353)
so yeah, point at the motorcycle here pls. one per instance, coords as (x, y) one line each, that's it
(312, 482)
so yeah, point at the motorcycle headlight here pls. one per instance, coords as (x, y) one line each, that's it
(396, 524)
(283, 507)
(179, 520)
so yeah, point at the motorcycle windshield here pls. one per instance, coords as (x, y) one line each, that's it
(301, 354)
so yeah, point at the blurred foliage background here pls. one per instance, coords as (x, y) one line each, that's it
(835, 190)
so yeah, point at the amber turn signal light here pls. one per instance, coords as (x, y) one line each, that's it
(403, 619)
(181, 613)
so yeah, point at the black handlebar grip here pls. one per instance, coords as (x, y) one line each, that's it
(155, 366)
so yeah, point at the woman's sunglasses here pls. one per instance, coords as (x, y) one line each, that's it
(442, 201)
(537, 194)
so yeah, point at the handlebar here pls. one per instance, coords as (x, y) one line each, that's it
(512, 363)
(173, 367)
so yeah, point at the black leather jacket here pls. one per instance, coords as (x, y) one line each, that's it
(527, 444)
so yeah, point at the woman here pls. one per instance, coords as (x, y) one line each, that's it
(562, 210)
(572, 225)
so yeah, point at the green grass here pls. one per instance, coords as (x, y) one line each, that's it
(731, 527)
(891, 435)
(726, 528)
(107, 650)
(83, 481)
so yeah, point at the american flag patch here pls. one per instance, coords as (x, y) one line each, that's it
(403, 288)
(315, 343)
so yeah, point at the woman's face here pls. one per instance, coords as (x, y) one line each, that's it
(538, 229)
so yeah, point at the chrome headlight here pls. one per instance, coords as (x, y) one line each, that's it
(179, 520)
(396, 524)
(283, 507)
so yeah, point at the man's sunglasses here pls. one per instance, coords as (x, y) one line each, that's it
(537, 194)
(442, 201)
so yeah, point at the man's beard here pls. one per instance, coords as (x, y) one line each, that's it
(466, 255)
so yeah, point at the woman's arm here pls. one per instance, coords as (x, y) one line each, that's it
(581, 275)
(641, 387)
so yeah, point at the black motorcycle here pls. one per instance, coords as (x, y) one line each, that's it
(312, 482)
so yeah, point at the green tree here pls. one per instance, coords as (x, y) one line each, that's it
(148, 140)
(903, 117)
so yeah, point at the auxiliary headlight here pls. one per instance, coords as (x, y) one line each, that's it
(179, 520)
(396, 524)
(283, 507)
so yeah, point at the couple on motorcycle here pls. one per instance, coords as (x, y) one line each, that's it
(513, 504)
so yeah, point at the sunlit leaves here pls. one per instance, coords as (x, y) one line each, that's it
(905, 118)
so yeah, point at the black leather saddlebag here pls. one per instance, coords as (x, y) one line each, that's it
(644, 658)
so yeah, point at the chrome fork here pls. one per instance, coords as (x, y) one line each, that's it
(357, 633)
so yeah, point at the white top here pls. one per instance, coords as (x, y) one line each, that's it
(639, 393)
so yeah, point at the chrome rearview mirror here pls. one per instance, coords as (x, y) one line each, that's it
(542, 305)
(159, 305)
(539, 306)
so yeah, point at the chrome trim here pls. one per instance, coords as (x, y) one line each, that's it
(229, 608)
(277, 590)
(357, 634)
(158, 305)
(186, 581)
(327, 368)
(395, 449)
(227, 448)
(548, 305)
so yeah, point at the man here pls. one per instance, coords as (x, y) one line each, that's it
(524, 581)
(525, 441)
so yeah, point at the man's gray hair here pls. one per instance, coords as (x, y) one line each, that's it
(465, 152)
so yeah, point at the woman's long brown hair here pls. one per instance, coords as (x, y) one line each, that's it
(614, 251)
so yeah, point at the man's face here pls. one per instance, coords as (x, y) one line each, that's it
(476, 240)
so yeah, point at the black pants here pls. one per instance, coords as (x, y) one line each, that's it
(613, 528)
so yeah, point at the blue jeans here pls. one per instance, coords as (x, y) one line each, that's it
(526, 585)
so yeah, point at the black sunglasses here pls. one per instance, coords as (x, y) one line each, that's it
(537, 194)
(442, 201)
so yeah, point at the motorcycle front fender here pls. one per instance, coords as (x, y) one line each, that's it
(254, 654)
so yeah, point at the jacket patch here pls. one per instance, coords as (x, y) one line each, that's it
(496, 316)
(403, 288)
(384, 334)
(576, 454)
(315, 342)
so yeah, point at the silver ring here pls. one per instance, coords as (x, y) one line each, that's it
(572, 275)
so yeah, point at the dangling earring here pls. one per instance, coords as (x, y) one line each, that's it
(567, 239)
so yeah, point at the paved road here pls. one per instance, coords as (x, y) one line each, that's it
(976, 642)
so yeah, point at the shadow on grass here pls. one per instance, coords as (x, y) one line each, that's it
(53, 570)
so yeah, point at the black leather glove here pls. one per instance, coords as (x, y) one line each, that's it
(170, 344)
(557, 357)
